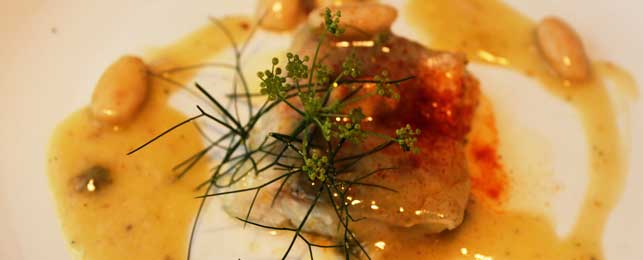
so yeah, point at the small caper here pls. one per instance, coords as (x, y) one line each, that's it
(92, 179)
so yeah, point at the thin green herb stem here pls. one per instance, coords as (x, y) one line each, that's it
(247, 189)
(345, 224)
(226, 32)
(231, 128)
(285, 100)
(356, 99)
(375, 81)
(225, 111)
(314, 62)
(196, 222)
(164, 133)
(234, 100)
(303, 221)
(361, 155)
(195, 66)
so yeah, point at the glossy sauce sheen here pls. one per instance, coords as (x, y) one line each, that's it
(489, 188)
(144, 212)
(491, 32)
(121, 220)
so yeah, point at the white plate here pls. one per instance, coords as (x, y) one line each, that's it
(53, 52)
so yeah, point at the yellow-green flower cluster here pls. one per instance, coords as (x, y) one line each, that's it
(315, 167)
(407, 137)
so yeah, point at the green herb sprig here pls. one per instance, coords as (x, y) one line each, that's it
(298, 153)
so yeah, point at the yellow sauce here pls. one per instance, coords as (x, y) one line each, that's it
(488, 232)
(145, 212)
(490, 32)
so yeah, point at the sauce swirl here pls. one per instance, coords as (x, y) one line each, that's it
(114, 206)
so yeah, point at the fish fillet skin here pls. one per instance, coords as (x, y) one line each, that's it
(431, 187)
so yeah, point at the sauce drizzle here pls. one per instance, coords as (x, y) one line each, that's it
(490, 32)
(114, 206)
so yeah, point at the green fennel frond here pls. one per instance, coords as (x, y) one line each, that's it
(331, 22)
(351, 132)
(296, 68)
(315, 167)
(323, 74)
(310, 151)
(407, 137)
(351, 66)
(383, 87)
(356, 115)
(272, 83)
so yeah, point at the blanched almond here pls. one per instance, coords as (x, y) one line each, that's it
(325, 3)
(280, 15)
(361, 20)
(563, 49)
(120, 91)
